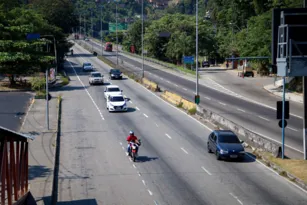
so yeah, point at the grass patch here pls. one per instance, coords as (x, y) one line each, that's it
(106, 61)
(295, 167)
(65, 80)
(40, 94)
(180, 105)
(6, 86)
(192, 111)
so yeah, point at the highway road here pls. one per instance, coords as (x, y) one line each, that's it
(174, 166)
(258, 118)
(13, 108)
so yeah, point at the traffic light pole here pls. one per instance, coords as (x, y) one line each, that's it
(196, 48)
(305, 106)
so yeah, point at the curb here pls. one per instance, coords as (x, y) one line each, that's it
(290, 177)
(280, 95)
(54, 194)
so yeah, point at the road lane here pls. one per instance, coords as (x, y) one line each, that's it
(92, 164)
(248, 181)
(186, 89)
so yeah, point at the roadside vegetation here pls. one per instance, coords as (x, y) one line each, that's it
(21, 57)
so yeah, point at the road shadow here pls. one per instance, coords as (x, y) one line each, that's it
(69, 88)
(131, 109)
(84, 55)
(145, 159)
(109, 55)
(37, 171)
(248, 158)
(47, 200)
(119, 79)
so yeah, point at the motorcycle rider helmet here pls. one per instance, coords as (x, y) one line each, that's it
(131, 132)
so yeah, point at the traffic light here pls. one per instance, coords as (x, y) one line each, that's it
(279, 110)
(197, 99)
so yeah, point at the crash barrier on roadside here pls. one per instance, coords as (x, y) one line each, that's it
(150, 85)
(178, 100)
(248, 136)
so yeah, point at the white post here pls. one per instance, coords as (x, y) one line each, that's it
(47, 101)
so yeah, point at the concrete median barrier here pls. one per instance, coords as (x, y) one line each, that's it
(248, 136)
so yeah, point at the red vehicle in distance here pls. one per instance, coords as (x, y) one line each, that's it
(108, 47)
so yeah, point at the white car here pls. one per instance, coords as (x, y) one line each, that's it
(95, 78)
(116, 103)
(87, 67)
(112, 89)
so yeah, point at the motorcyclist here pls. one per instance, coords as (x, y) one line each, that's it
(72, 52)
(131, 138)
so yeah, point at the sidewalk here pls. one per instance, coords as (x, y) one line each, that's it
(42, 148)
(277, 90)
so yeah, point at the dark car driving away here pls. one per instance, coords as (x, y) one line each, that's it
(115, 74)
(226, 145)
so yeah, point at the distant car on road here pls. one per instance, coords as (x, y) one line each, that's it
(95, 78)
(86, 39)
(116, 103)
(226, 145)
(115, 74)
(112, 89)
(87, 66)
(205, 64)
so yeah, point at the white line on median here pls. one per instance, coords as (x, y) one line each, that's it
(222, 103)
(86, 91)
(290, 128)
(206, 170)
(240, 110)
(184, 150)
(137, 108)
(149, 192)
(145, 115)
(168, 136)
(264, 118)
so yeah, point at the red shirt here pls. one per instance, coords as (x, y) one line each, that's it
(131, 138)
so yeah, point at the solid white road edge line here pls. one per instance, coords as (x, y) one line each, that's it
(30, 107)
(184, 150)
(86, 90)
(272, 170)
(206, 170)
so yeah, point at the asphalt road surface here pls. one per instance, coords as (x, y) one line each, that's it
(173, 167)
(258, 118)
(13, 108)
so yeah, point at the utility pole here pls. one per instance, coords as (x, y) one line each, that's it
(116, 40)
(92, 29)
(196, 54)
(305, 105)
(101, 29)
(79, 26)
(84, 27)
(47, 101)
(142, 38)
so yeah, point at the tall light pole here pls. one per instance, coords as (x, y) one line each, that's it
(196, 54)
(116, 38)
(92, 28)
(142, 38)
(101, 29)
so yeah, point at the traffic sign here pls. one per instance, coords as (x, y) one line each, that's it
(33, 36)
(188, 59)
(197, 99)
(279, 110)
(280, 123)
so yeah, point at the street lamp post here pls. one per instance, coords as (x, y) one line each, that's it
(142, 38)
(101, 29)
(116, 38)
(196, 54)
(92, 29)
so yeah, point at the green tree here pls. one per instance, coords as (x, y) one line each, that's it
(17, 55)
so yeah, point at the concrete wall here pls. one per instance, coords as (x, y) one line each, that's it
(246, 135)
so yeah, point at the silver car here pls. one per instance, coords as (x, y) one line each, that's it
(87, 67)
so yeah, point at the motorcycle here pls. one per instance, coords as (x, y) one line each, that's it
(134, 150)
